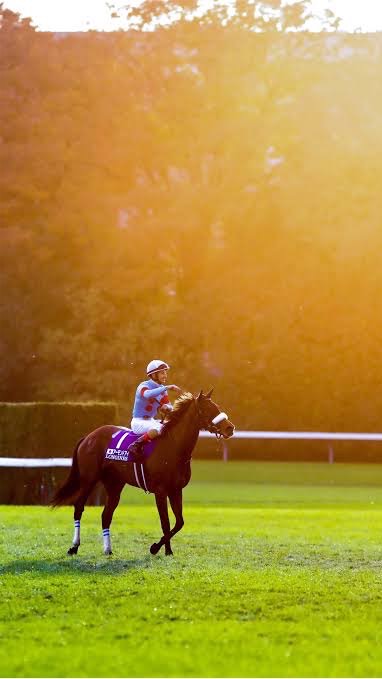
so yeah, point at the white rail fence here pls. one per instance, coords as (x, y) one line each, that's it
(330, 437)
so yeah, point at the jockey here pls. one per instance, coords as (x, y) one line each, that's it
(151, 396)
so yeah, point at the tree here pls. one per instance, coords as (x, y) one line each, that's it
(251, 15)
(184, 192)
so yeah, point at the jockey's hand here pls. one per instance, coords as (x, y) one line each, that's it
(163, 412)
(173, 387)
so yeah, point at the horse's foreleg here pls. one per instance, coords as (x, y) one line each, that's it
(113, 496)
(161, 500)
(176, 502)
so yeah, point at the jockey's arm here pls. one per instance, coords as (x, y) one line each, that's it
(152, 393)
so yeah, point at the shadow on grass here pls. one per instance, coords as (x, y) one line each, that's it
(76, 565)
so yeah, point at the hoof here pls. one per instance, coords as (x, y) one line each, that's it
(169, 552)
(73, 550)
(154, 549)
(109, 553)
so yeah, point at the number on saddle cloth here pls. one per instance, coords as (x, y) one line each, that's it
(119, 443)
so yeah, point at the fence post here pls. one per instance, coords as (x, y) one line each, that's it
(225, 451)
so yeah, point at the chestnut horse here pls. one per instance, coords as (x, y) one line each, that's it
(166, 472)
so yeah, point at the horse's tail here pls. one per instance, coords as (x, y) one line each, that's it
(69, 489)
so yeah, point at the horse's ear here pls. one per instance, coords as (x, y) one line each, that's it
(209, 393)
(200, 394)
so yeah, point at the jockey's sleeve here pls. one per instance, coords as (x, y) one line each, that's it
(151, 393)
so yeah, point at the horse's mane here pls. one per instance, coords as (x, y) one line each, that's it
(181, 404)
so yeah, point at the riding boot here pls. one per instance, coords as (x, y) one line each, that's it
(135, 449)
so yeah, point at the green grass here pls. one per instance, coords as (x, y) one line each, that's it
(277, 572)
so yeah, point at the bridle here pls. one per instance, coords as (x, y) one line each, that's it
(211, 426)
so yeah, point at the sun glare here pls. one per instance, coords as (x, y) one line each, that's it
(65, 16)
(73, 15)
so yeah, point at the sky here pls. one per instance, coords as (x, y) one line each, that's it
(81, 15)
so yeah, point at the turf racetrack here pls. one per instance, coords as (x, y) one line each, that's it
(275, 578)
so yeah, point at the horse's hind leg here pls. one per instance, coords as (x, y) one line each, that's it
(113, 495)
(78, 511)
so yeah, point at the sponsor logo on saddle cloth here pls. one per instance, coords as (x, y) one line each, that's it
(119, 443)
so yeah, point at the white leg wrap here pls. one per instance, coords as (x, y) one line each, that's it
(106, 540)
(76, 536)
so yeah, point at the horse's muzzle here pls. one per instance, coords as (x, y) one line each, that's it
(227, 429)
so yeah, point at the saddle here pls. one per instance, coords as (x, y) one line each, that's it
(119, 443)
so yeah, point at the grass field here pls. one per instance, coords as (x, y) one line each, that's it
(277, 572)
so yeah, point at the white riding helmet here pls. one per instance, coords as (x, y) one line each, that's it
(156, 365)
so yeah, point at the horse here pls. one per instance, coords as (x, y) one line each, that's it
(165, 473)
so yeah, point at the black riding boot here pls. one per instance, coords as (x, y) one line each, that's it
(135, 449)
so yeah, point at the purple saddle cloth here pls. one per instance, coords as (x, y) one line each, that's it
(119, 443)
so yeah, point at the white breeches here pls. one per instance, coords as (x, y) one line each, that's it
(141, 426)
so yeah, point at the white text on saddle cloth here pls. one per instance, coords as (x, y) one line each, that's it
(115, 454)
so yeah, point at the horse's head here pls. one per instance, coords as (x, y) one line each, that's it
(212, 418)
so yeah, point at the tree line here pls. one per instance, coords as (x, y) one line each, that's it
(203, 193)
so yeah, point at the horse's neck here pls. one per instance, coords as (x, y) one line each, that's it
(187, 432)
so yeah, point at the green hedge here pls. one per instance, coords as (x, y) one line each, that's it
(45, 430)
(23, 486)
(49, 429)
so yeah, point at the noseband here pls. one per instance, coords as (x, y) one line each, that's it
(211, 426)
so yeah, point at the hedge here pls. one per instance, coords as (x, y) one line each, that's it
(41, 429)
(49, 429)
